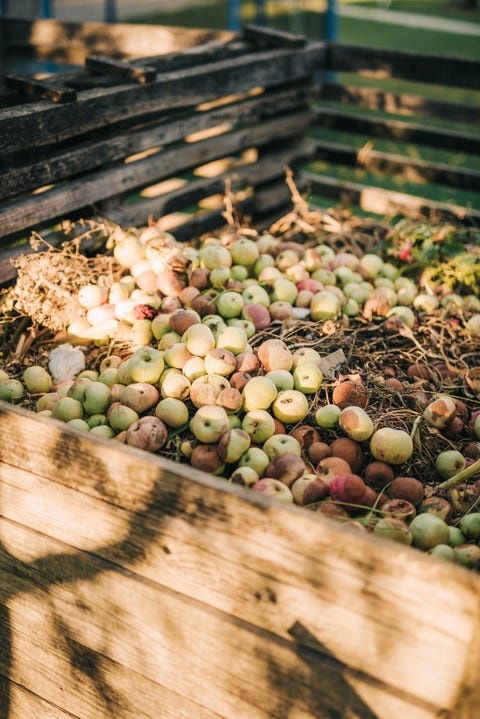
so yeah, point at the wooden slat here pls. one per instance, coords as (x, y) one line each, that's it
(401, 130)
(381, 201)
(272, 37)
(372, 98)
(212, 583)
(121, 68)
(405, 65)
(92, 188)
(46, 89)
(38, 123)
(409, 168)
(115, 145)
(270, 166)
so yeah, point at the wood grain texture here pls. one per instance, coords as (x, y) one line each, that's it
(91, 188)
(276, 589)
(37, 123)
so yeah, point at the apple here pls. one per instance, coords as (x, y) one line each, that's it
(92, 295)
(257, 314)
(180, 320)
(229, 304)
(177, 355)
(273, 488)
(206, 389)
(219, 276)
(327, 416)
(440, 412)
(109, 376)
(449, 462)
(220, 361)
(306, 354)
(370, 265)
(120, 417)
(232, 445)
(259, 425)
(209, 423)
(46, 401)
(37, 380)
(212, 256)
(279, 443)
(307, 378)
(283, 290)
(244, 252)
(205, 457)
(194, 368)
(128, 250)
(393, 446)
(67, 408)
(146, 365)
(290, 406)
(325, 305)
(232, 338)
(274, 354)
(96, 398)
(175, 385)
(77, 388)
(264, 260)
(245, 476)
(428, 530)
(173, 412)
(148, 433)
(94, 420)
(308, 489)
(247, 362)
(331, 467)
(168, 340)
(281, 378)
(255, 458)
(356, 423)
(258, 393)
(287, 467)
(256, 295)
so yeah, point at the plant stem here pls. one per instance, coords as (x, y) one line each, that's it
(460, 476)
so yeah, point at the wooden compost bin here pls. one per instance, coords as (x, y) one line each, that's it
(136, 588)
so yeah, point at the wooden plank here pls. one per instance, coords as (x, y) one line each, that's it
(92, 188)
(16, 702)
(262, 36)
(401, 130)
(114, 145)
(38, 124)
(46, 89)
(372, 98)
(405, 65)
(380, 201)
(121, 68)
(401, 625)
(412, 169)
(269, 167)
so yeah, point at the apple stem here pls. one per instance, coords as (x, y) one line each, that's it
(460, 476)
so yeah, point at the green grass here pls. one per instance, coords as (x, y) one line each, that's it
(439, 8)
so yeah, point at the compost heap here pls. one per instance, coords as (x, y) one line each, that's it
(332, 362)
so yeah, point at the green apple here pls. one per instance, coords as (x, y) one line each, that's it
(177, 355)
(213, 255)
(356, 423)
(146, 365)
(175, 384)
(449, 462)
(220, 361)
(280, 443)
(283, 290)
(325, 305)
(37, 380)
(307, 378)
(259, 425)
(96, 398)
(232, 445)
(244, 252)
(172, 411)
(258, 393)
(257, 295)
(140, 396)
(229, 304)
(120, 417)
(199, 339)
(232, 338)
(393, 446)
(327, 416)
(306, 354)
(256, 459)
(67, 408)
(209, 423)
(281, 378)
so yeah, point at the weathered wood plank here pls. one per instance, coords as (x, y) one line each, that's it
(372, 98)
(92, 188)
(16, 702)
(112, 146)
(380, 201)
(270, 166)
(401, 130)
(404, 64)
(409, 168)
(336, 592)
(38, 123)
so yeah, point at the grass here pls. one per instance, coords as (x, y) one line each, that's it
(439, 8)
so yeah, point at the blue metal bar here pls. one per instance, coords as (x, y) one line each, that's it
(331, 21)
(47, 8)
(261, 15)
(110, 11)
(234, 21)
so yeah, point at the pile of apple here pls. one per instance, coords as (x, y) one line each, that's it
(202, 368)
